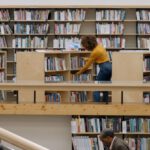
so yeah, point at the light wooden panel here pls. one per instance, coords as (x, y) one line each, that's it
(30, 66)
(127, 67)
(76, 109)
(26, 96)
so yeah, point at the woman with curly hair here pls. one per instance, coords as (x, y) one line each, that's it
(100, 57)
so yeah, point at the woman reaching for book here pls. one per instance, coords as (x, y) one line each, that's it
(100, 57)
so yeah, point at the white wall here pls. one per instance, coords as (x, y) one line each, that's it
(49, 131)
(48, 3)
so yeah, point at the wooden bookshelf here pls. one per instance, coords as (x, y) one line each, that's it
(89, 21)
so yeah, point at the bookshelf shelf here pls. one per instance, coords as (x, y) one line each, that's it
(118, 133)
(5, 34)
(143, 21)
(28, 21)
(10, 75)
(146, 72)
(29, 34)
(53, 71)
(2, 69)
(110, 34)
(11, 61)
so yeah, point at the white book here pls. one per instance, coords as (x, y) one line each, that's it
(28, 15)
(14, 43)
(56, 43)
(99, 125)
(64, 64)
(2, 29)
(100, 144)
(15, 15)
(74, 128)
(56, 15)
(123, 43)
(69, 15)
(146, 99)
(124, 126)
(82, 125)
(23, 43)
(19, 42)
(28, 29)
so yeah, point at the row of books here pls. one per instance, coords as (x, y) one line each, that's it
(77, 62)
(87, 143)
(5, 29)
(147, 97)
(70, 15)
(138, 143)
(94, 143)
(136, 125)
(53, 97)
(31, 28)
(143, 14)
(60, 78)
(95, 124)
(67, 28)
(109, 28)
(143, 28)
(143, 42)
(41, 42)
(146, 64)
(55, 63)
(4, 14)
(146, 78)
(83, 77)
(23, 14)
(112, 42)
(2, 61)
(35, 42)
(54, 78)
(111, 14)
(67, 43)
(74, 42)
(78, 96)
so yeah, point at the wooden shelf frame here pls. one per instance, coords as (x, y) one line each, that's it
(75, 109)
(117, 133)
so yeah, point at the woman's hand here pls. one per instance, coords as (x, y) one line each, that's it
(77, 73)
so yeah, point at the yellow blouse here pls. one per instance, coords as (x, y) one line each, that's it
(98, 55)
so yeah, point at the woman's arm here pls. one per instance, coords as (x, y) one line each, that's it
(87, 65)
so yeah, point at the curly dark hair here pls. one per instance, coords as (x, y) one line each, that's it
(89, 42)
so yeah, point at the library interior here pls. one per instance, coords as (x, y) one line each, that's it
(74, 75)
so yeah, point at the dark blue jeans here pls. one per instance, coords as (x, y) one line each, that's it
(104, 74)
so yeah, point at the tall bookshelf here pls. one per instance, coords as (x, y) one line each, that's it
(86, 130)
(19, 30)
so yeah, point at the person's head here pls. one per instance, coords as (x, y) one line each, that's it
(107, 136)
(89, 42)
